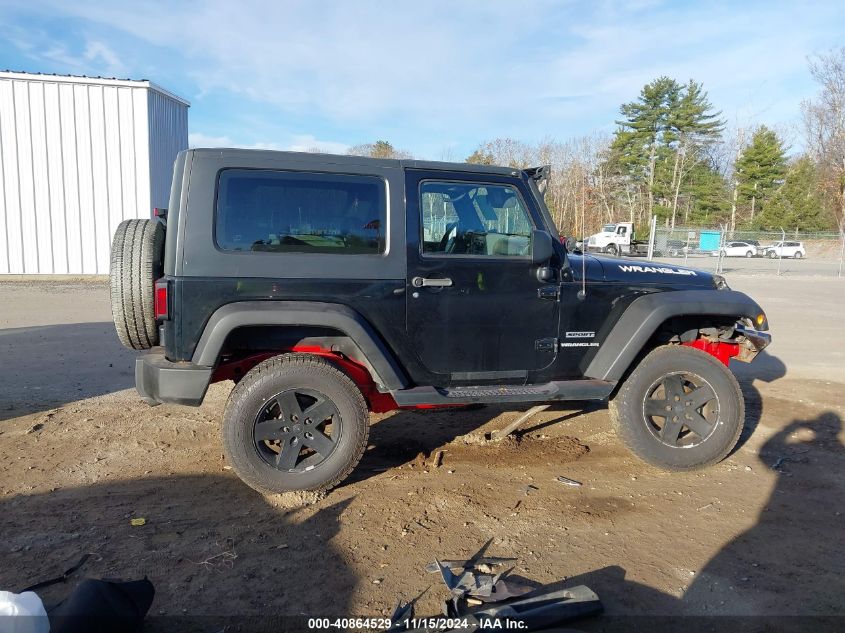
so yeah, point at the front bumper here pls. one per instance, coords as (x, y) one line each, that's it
(158, 380)
(751, 342)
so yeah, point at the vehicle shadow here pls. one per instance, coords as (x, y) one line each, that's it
(403, 436)
(765, 367)
(48, 366)
(210, 546)
(406, 434)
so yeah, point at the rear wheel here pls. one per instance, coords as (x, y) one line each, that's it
(799, 255)
(136, 262)
(680, 409)
(295, 422)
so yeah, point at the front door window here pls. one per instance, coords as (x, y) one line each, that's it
(465, 218)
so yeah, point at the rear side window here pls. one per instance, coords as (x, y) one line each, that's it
(300, 212)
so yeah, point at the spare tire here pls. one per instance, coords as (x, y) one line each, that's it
(136, 262)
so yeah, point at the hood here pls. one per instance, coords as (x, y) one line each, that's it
(580, 262)
(639, 271)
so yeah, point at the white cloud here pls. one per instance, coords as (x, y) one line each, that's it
(97, 54)
(308, 143)
(439, 71)
(298, 143)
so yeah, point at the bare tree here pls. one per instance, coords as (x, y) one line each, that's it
(824, 125)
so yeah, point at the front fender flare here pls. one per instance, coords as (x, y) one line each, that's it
(376, 356)
(642, 318)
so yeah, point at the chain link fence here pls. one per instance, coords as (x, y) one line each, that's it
(753, 252)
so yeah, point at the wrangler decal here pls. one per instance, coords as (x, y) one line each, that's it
(656, 269)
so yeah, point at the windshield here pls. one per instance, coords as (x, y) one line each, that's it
(608, 228)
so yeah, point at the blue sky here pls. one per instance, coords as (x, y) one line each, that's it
(435, 78)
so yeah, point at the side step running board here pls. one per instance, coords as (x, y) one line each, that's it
(547, 392)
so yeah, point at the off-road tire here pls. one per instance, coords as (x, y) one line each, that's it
(626, 409)
(272, 377)
(136, 262)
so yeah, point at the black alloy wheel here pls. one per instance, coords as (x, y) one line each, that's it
(297, 430)
(681, 409)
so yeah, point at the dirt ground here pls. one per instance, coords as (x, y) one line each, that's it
(81, 455)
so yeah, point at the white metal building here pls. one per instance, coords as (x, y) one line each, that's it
(77, 156)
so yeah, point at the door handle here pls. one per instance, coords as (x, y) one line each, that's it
(423, 282)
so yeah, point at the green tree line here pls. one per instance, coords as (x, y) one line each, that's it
(671, 156)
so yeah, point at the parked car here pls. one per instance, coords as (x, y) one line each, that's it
(677, 248)
(326, 288)
(785, 249)
(736, 249)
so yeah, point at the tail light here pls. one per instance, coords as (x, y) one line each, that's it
(162, 300)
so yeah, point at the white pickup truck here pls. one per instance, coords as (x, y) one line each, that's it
(617, 239)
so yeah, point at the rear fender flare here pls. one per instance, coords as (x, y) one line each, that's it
(375, 355)
(644, 315)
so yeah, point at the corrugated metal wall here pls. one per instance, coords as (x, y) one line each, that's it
(168, 136)
(75, 160)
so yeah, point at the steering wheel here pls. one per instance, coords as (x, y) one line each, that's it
(447, 244)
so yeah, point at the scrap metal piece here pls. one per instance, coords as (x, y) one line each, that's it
(498, 436)
(404, 611)
(568, 481)
(433, 568)
(547, 609)
(456, 584)
(505, 590)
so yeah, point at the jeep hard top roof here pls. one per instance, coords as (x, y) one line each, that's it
(314, 158)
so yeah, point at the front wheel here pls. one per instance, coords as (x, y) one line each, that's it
(680, 409)
(613, 250)
(773, 255)
(295, 422)
(749, 254)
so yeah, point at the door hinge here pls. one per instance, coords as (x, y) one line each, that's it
(545, 344)
(550, 292)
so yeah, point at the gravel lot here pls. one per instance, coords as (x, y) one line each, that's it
(80, 455)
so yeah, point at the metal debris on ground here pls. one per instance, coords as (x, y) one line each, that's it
(433, 568)
(568, 481)
(547, 608)
(482, 597)
(498, 436)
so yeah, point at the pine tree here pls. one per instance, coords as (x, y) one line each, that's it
(760, 170)
(662, 141)
(797, 204)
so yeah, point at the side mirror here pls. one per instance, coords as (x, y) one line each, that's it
(542, 247)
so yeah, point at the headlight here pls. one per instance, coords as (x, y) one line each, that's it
(720, 283)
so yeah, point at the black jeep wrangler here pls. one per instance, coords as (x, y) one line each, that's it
(328, 286)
